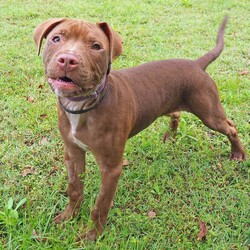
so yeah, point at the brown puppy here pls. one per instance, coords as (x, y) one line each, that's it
(99, 110)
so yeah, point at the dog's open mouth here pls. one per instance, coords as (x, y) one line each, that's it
(65, 86)
(62, 82)
(66, 79)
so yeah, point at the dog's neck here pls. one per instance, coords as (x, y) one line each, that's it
(83, 104)
(93, 94)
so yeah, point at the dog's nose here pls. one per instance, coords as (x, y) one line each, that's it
(67, 62)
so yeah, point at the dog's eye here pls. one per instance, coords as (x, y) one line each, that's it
(56, 39)
(96, 46)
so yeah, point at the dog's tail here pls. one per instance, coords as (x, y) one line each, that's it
(209, 57)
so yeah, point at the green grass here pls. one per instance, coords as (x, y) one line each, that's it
(184, 182)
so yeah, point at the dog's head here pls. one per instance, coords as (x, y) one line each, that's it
(77, 54)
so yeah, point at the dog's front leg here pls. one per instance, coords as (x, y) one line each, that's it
(111, 170)
(75, 161)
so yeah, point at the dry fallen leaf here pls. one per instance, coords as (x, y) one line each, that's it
(125, 162)
(244, 72)
(29, 142)
(55, 168)
(43, 116)
(37, 237)
(30, 99)
(28, 170)
(43, 141)
(202, 231)
(151, 214)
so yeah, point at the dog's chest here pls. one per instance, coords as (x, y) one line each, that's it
(74, 120)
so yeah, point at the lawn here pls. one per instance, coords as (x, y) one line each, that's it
(166, 190)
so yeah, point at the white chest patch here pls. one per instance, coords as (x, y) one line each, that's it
(74, 119)
(80, 144)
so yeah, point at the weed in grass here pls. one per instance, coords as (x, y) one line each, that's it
(9, 219)
(186, 3)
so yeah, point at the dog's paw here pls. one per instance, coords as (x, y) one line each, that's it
(64, 216)
(166, 136)
(69, 213)
(60, 218)
(238, 156)
(169, 136)
(91, 235)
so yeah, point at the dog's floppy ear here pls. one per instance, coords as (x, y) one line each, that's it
(115, 41)
(43, 29)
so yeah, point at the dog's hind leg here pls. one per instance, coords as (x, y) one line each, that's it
(209, 109)
(173, 125)
(226, 127)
